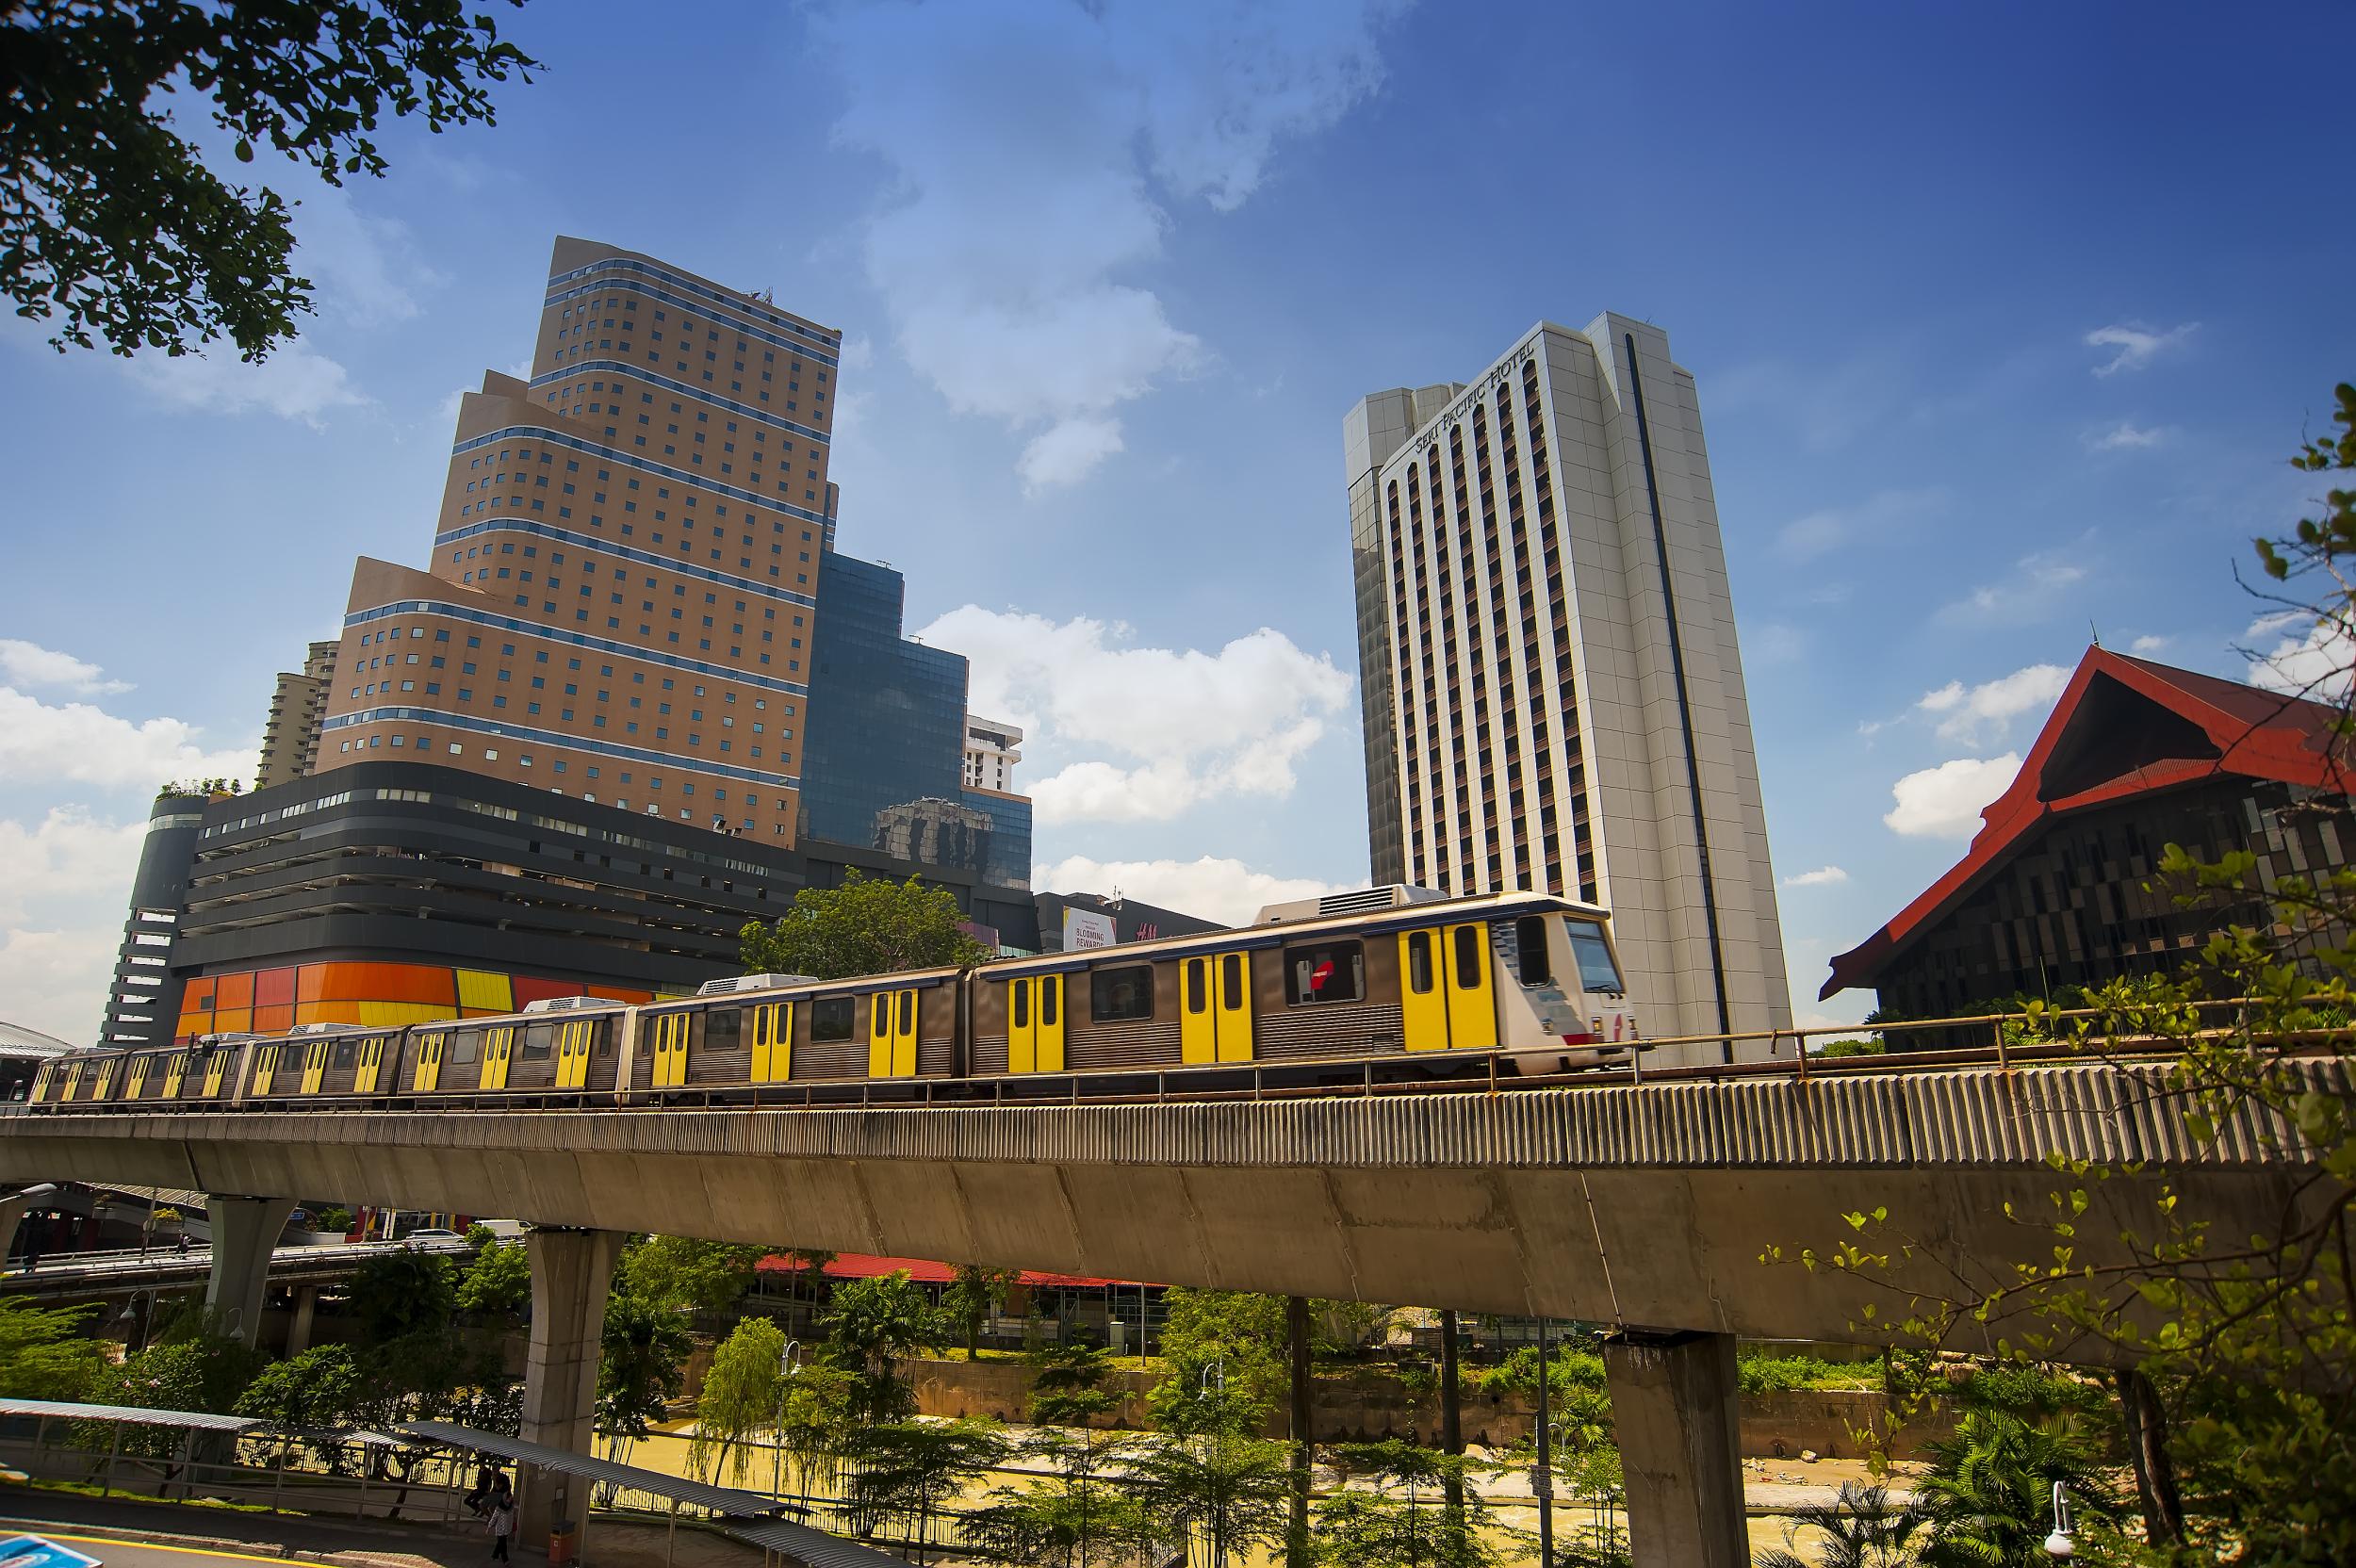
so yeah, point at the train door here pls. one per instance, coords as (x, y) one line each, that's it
(265, 1069)
(669, 1062)
(431, 1048)
(314, 1067)
(1215, 1008)
(1447, 1000)
(369, 1066)
(892, 1035)
(175, 1073)
(773, 1042)
(106, 1079)
(572, 1053)
(216, 1070)
(1035, 1026)
(1472, 1004)
(498, 1050)
(134, 1083)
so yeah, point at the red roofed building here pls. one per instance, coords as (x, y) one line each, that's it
(2053, 892)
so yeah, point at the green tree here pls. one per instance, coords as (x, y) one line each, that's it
(497, 1284)
(1068, 1383)
(402, 1294)
(1408, 1520)
(1989, 1495)
(46, 1353)
(110, 221)
(740, 1398)
(1863, 1528)
(1231, 1494)
(1223, 1352)
(641, 1366)
(332, 1218)
(973, 1294)
(194, 1368)
(683, 1274)
(1058, 1525)
(822, 1408)
(869, 1324)
(865, 926)
(316, 1391)
(905, 1470)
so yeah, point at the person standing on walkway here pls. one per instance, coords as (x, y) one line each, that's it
(502, 1517)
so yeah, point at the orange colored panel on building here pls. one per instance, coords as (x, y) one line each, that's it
(327, 1012)
(233, 1020)
(274, 1021)
(274, 988)
(530, 989)
(232, 990)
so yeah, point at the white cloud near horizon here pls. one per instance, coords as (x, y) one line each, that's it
(1149, 733)
(2029, 592)
(23, 663)
(61, 906)
(1944, 802)
(1992, 705)
(366, 272)
(2309, 659)
(296, 381)
(2125, 437)
(2136, 344)
(79, 742)
(1823, 876)
(1031, 146)
(2149, 644)
(1212, 887)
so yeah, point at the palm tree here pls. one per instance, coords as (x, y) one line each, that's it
(870, 1322)
(1989, 1493)
(1861, 1530)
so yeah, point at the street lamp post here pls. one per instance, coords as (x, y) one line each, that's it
(2058, 1545)
(789, 1362)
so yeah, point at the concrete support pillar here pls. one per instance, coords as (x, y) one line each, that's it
(245, 1233)
(306, 1306)
(570, 1271)
(1674, 1408)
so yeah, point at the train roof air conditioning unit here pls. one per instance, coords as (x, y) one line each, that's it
(736, 983)
(569, 1004)
(1390, 896)
(316, 1028)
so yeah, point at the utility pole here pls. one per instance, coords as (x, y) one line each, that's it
(1451, 1415)
(1542, 1473)
(1296, 1331)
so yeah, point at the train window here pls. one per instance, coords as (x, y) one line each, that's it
(1022, 1004)
(1197, 984)
(464, 1045)
(604, 1030)
(1597, 971)
(1419, 962)
(1530, 941)
(830, 1019)
(1469, 975)
(537, 1038)
(908, 1013)
(1230, 980)
(1122, 995)
(343, 1054)
(1049, 989)
(724, 1029)
(1324, 972)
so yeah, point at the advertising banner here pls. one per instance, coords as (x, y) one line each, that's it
(1085, 928)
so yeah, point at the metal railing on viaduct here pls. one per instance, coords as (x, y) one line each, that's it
(1644, 1207)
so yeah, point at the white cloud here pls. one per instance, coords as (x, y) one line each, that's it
(55, 981)
(296, 381)
(2309, 659)
(86, 745)
(2136, 344)
(2030, 593)
(1944, 802)
(1821, 877)
(23, 663)
(2126, 437)
(1021, 139)
(1224, 891)
(367, 270)
(1993, 704)
(70, 854)
(1180, 725)
(1881, 517)
(2148, 645)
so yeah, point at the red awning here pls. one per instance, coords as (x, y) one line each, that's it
(924, 1271)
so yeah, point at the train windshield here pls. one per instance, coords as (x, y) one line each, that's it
(1597, 971)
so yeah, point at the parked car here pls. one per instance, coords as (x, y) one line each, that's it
(431, 1237)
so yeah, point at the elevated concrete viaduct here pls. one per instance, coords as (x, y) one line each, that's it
(1645, 1207)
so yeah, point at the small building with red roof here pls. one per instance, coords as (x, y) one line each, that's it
(2062, 885)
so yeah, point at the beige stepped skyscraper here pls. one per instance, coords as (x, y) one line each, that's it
(1552, 689)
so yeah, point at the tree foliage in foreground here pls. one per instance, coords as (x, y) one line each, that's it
(46, 1353)
(2238, 1413)
(112, 223)
(741, 1395)
(867, 926)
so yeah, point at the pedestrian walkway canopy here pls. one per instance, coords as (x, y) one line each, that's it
(130, 1415)
(678, 1489)
(809, 1546)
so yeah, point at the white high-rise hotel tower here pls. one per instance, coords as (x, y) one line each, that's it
(1553, 695)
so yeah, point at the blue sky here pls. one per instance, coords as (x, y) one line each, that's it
(2003, 318)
